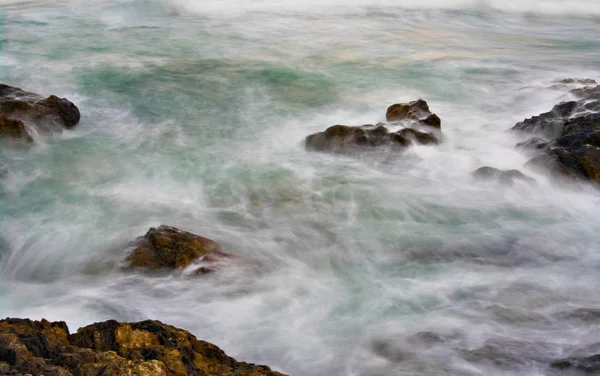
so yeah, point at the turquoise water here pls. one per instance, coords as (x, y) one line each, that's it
(194, 115)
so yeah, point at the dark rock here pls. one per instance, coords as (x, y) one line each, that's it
(501, 176)
(415, 110)
(585, 81)
(424, 138)
(113, 349)
(588, 92)
(167, 247)
(590, 364)
(534, 143)
(13, 128)
(549, 124)
(49, 114)
(573, 129)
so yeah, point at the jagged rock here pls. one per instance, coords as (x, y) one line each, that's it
(415, 110)
(45, 114)
(576, 152)
(507, 177)
(549, 124)
(573, 131)
(167, 247)
(111, 348)
(13, 128)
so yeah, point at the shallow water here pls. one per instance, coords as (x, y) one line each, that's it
(194, 115)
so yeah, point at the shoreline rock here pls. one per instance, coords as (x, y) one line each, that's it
(20, 109)
(566, 140)
(418, 124)
(112, 348)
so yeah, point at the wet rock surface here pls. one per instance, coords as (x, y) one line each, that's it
(167, 248)
(20, 109)
(112, 349)
(566, 139)
(417, 125)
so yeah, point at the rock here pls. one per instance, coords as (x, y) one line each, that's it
(576, 152)
(588, 92)
(573, 131)
(46, 114)
(113, 349)
(417, 136)
(534, 143)
(415, 110)
(585, 81)
(507, 177)
(589, 364)
(549, 124)
(346, 139)
(167, 247)
(422, 128)
(13, 128)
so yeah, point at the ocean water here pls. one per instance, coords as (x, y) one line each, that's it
(194, 115)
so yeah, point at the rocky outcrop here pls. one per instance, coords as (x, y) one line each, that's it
(415, 110)
(566, 140)
(417, 125)
(167, 247)
(506, 177)
(20, 109)
(147, 348)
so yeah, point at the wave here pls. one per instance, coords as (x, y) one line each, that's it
(574, 8)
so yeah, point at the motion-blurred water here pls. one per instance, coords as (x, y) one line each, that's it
(194, 115)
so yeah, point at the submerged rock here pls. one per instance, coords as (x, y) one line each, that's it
(585, 359)
(113, 349)
(573, 133)
(167, 247)
(422, 127)
(585, 81)
(19, 108)
(507, 177)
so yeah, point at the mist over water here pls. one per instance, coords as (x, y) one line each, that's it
(194, 115)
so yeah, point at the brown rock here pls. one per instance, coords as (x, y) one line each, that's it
(337, 138)
(415, 110)
(13, 128)
(167, 247)
(147, 348)
(590, 162)
(49, 114)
